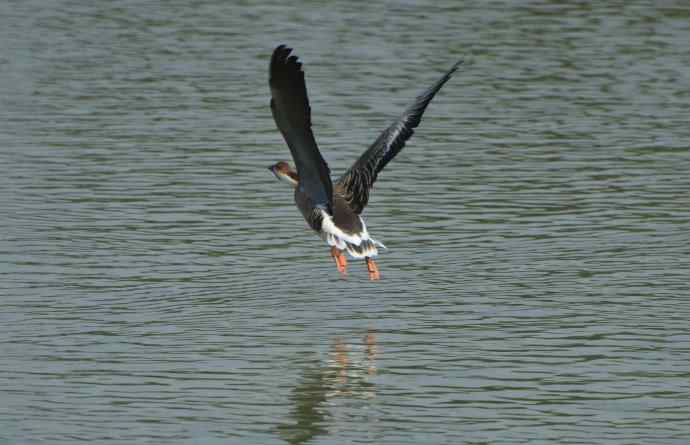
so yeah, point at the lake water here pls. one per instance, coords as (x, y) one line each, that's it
(159, 285)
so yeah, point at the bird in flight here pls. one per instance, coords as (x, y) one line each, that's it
(333, 209)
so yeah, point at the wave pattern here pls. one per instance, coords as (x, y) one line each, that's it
(159, 286)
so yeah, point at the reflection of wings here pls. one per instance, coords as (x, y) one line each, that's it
(290, 106)
(308, 414)
(319, 383)
(358, 180)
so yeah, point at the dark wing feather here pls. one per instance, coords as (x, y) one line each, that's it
(358, 180)
(291, 111)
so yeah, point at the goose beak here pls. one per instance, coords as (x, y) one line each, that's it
(272, 169)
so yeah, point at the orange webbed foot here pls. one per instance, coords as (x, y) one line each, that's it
(340, 261)
(373, 269)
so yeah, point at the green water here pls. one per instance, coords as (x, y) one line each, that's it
(159, 286)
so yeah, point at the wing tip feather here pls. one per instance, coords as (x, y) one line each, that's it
(457, 65)
(285, 67)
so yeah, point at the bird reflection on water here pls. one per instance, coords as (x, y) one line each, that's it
(346, 373)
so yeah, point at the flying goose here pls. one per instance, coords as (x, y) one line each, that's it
(333, 209)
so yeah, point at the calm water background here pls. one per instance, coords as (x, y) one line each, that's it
(159, 286)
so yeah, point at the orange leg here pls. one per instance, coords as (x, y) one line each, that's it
(340, 261)
(374, 273)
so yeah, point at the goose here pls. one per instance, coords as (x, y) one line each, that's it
(334, 209)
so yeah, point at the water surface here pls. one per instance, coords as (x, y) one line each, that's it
(159, 286)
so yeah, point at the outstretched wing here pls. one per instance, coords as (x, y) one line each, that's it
(358, 180)
(290, 107)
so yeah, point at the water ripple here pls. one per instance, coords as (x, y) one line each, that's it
(159, 286)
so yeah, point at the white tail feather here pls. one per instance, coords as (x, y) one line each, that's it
(358, 245)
